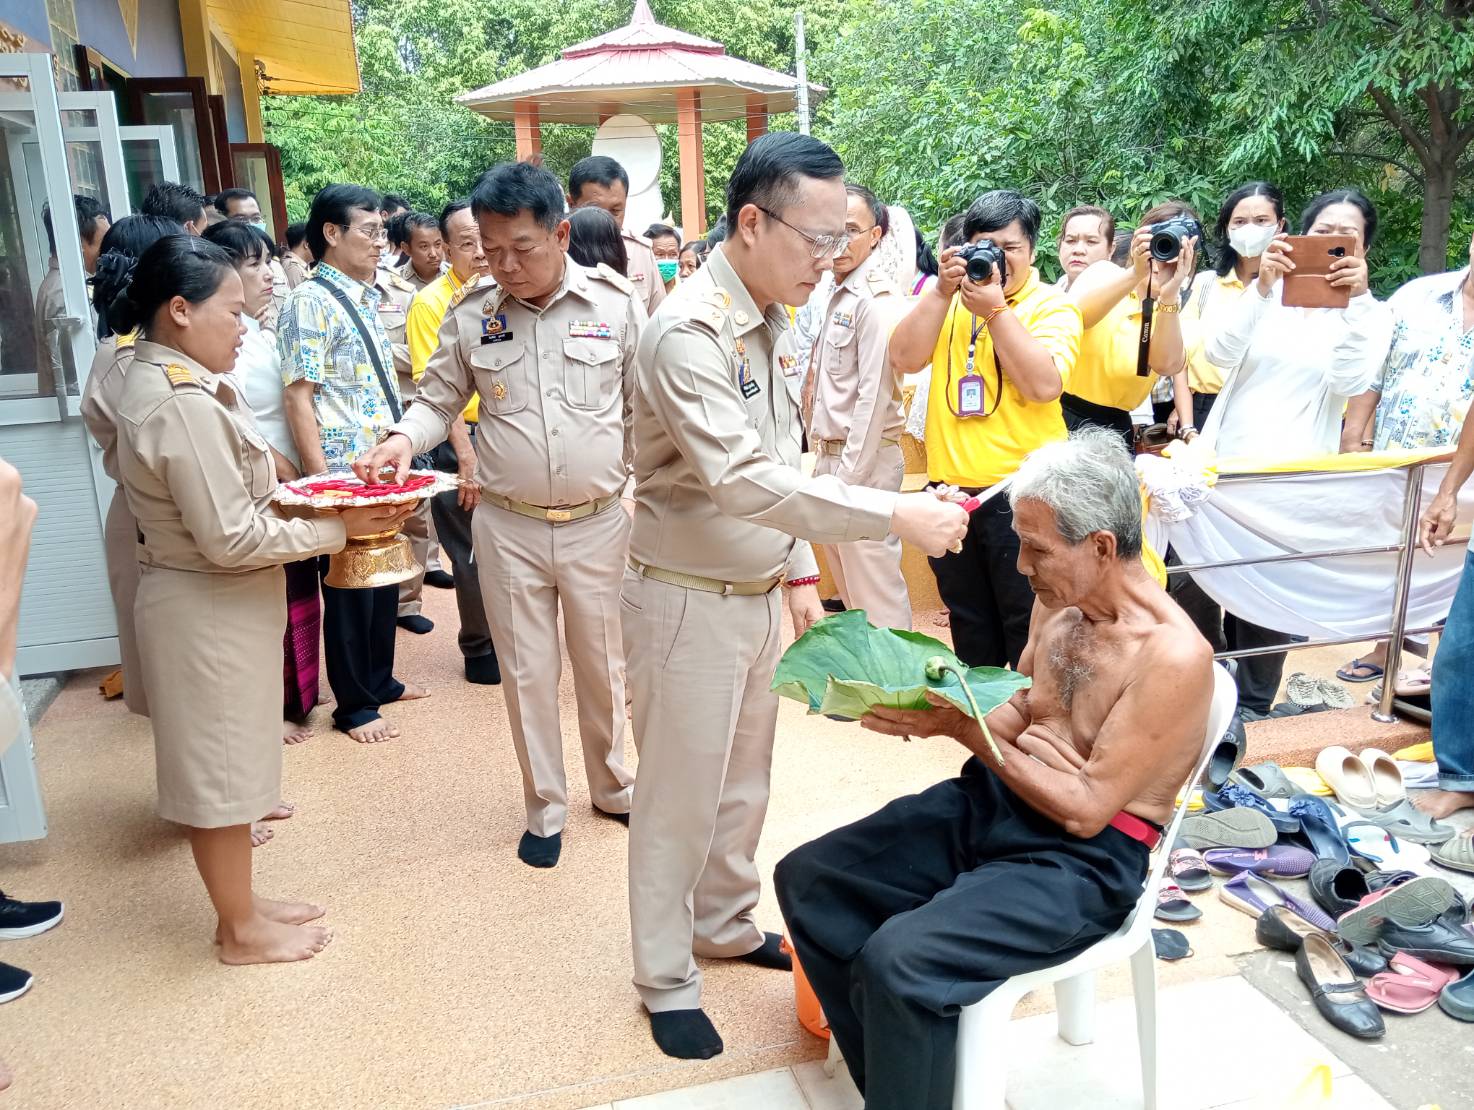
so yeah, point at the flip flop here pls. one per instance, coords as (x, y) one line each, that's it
(1190, 870)
(1309, 781)
(1411, 985)
(1173, 905)
(1352, 672)
(1372, 842)
(1320, 827)
(1456, 854)
(1229, 828)
(1386, 777)
(1266, 780)
(1348, 776)
(1407, 822)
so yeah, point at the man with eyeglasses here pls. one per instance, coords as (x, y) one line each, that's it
(549, 349)
(1001, 351)
(855, 416)
(719, 500)
(341, 396)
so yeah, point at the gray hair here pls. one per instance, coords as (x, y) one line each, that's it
(1089, 483)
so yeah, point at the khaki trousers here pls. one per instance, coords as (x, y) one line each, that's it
(700, 667)
(868, 572)
(526, 568)
(417, 528)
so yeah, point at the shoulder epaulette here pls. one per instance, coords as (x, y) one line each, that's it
(615, 278)
(179, 375)
(464, 291)
(127, 339)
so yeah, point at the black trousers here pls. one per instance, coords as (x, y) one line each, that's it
(1256, 676)
(990, 601)
(1080, 413)
(903, 918)
(453, 527)
(1202, 406)
(358, 640)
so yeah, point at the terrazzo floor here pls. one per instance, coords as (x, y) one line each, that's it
(457, 976)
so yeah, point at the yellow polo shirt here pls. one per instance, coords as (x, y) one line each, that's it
(1212, 297)
(422, 329)
(981, 451)
(1105, 373)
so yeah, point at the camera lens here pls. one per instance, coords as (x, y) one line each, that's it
(979, 268)
(1166, 245)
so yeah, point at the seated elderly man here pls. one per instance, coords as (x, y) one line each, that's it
(924, 907)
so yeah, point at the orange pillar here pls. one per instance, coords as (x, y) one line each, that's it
(693, 163)
(529, 134)
(757, 118)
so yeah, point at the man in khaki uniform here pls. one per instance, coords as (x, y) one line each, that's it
(395, 295)
(550, 350)
(602, 182)
(718, 500)
(857, 419)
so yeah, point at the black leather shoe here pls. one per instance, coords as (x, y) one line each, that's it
(415, 623)
(440, 580)
(1443, 940)
(1337, 993)
(1336, 888)
(1283, 929)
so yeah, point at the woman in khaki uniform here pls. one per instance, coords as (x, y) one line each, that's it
(211, 603)
(121, 247)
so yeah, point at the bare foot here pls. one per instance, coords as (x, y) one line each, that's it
(943, 619)
(294, 733)
(260, 834)
(374, 732)
(413, 691)
(282, 811)
(286, 913)
(263, 941)
(1439, 804)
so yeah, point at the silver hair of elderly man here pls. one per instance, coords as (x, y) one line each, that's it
(1089, 482)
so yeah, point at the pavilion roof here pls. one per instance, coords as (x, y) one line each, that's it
(638, 68)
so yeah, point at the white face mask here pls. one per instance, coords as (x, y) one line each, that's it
(1249, 240)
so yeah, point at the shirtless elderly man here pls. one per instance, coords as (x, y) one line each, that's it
(924, 907)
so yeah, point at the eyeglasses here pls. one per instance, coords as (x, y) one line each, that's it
(374, 233)
(820, 246)
(853, 233)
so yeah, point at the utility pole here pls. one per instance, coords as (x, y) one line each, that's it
(803, 72)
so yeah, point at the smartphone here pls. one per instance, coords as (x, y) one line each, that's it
(1306, 286)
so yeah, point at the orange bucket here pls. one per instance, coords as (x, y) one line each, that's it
(810, 1013)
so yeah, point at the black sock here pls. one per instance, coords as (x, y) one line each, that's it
(540, 851)
(686, 1034)
(622, 818)
(771, 954)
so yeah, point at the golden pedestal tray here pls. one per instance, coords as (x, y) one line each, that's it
(381, 559)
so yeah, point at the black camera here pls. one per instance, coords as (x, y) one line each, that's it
(1167, 236)
(981, 257)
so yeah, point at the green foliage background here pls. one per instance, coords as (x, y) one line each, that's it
(1117, 102)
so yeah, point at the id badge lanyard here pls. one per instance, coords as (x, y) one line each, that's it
(972, 397)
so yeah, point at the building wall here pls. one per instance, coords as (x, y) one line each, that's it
(160, 47)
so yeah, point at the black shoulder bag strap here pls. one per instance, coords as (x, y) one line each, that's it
(390, 396)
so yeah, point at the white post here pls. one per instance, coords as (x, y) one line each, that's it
(803, 72)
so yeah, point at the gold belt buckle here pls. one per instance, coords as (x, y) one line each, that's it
(559, 516)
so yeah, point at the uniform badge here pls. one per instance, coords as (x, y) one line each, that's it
(745, 380)
(845, 319)
(178, 375)
(499, 390)
(789, 365)
(589, 329)
(494, 329)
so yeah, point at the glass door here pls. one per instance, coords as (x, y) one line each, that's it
(180, 103)
(149, 157)
(257, 167)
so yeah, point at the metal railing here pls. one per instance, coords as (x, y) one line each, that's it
(1407, 548)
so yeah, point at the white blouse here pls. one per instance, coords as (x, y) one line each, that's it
(258, 373)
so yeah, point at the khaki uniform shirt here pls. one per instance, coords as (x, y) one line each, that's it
(199, 479)
(718, 490)
(295, 270)
(103, 392)
(49, 305)
(554, 385)
(395, 295)
(857, 396)
(407, 271)
(643, 271)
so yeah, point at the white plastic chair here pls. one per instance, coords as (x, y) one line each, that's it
(982, 1046)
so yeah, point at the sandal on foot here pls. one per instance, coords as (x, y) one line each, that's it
(1408, 822)
(1359, 670)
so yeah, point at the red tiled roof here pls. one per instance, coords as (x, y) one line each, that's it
(638, 68)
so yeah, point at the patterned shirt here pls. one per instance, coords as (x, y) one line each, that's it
(1428, 379)
(319, 342)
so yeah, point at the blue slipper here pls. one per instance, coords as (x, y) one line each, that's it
(1318, 827)
(1232, 794)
